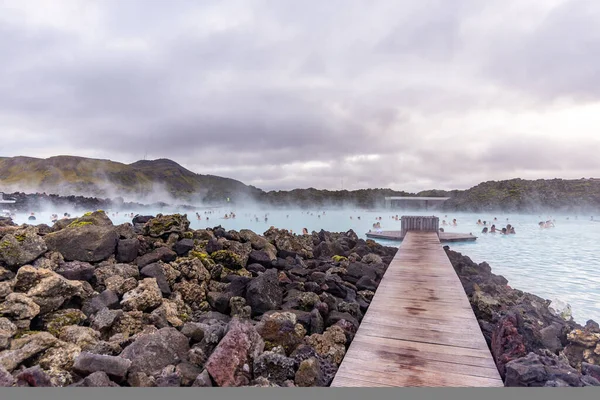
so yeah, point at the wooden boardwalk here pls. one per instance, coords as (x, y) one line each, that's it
(420, 329)
(445, 237)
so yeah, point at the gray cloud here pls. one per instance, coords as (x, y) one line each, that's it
(409, 95)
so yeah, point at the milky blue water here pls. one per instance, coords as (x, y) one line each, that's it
(560, 263)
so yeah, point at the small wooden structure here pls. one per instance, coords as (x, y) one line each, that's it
(445, 237)
(419, 223)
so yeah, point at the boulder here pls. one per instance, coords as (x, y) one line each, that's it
(140, 379)
(329, 345)
(507, 343)
(6, 379)
(127, 250)
(188, 373)
(146, 296)
(161, 254)
(81, 336)
(24, 348)
(537, 370)
(183, 246)
(56, 320)
(281, 329)
(275, 367)
(101, 274)
(260, 257)
(21, 247)
(152, 352)
(107, 298)
(105, 319)
(86, 242)
(319, 372)
(288, 244)
(88, 363)
(168, 377)
(229, 364)
(97, 379)
(203, 380)
(263, 293)
(155, 270)
(336, 316)
(33, 377)
(7, 331)
(76, 270)
(164, 225)
(17, 306)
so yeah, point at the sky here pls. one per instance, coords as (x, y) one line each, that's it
(279, 94)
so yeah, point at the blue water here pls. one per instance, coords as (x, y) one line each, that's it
(559, 263)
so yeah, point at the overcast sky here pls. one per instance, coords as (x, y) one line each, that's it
(282, 94)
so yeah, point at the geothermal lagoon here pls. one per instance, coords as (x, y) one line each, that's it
(559, 264)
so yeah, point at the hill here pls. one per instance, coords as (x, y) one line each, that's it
(147, 181)
(162, 180)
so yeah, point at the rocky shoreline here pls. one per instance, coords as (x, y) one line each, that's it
(33, 202)
(532, 343)
(154, 303)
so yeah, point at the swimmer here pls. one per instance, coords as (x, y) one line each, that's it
(444, 223)
(493, 229)
(485, 230)
(454, 222)
(479, 222)
(504, 231)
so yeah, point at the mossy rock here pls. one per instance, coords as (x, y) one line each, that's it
(59, 319)
(239, 272)
(164, 225)
(77, 223)
(339, 259)
(98, 218)
(228, 259)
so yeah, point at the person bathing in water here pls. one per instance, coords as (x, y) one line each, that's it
(485, 230)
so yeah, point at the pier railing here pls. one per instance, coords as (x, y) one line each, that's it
(420, 223)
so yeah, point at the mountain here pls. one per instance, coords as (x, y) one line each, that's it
(163, 180)
(528, 196)
(147, 180)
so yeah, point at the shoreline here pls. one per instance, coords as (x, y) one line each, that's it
(81, 300)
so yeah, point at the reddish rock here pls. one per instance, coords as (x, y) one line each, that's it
(229, 364)
(507, 343)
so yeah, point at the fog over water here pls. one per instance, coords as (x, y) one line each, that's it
(559, 263)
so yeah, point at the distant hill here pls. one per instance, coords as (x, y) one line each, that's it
(147, 180)
(520, 195)
(163, 180)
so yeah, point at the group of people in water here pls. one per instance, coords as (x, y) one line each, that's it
(508, 230)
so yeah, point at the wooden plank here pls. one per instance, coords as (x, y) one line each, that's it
(419, 329)
(391, 361)
(427, 351)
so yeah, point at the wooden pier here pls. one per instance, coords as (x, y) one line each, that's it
(445, 237)
(420, 329)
